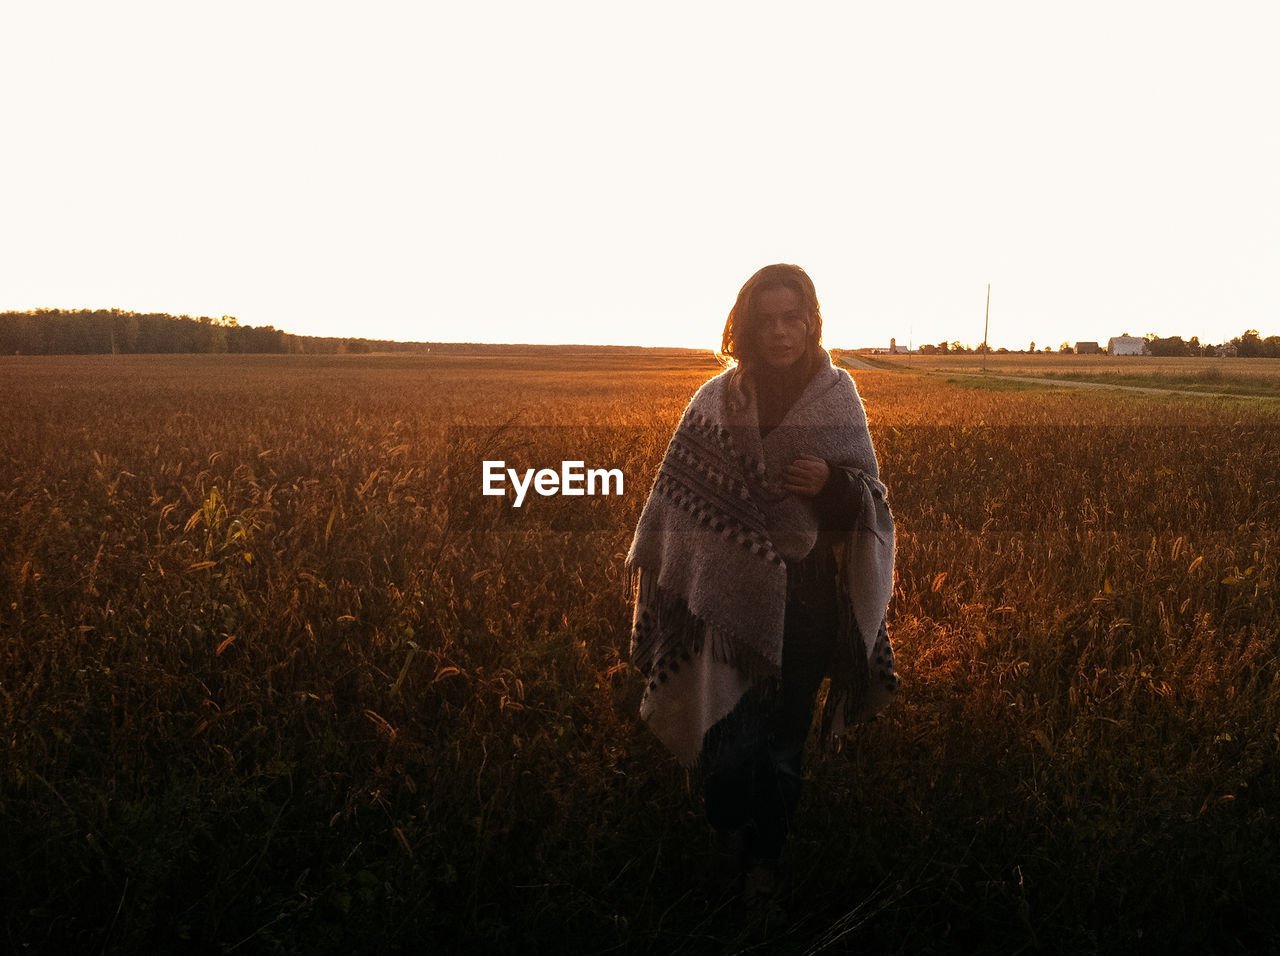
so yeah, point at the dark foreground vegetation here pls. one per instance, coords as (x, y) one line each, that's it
(275, 677)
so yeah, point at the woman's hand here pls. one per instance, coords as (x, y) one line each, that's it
(806, 476)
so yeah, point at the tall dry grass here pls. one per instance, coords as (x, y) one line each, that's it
(274, 676)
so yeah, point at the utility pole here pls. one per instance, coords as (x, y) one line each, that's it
(985, 323)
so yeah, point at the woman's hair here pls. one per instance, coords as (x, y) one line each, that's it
(739, 342)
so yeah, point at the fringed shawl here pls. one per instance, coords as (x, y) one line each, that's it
(708, 564)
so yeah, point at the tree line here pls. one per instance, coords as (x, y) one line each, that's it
(1246, 345)
(112, 331)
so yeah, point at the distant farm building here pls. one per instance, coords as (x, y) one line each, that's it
(1126, 345)
(1088, 348)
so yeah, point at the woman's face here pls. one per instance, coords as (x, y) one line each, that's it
(781, 327)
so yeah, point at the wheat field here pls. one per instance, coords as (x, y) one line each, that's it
(275, 676)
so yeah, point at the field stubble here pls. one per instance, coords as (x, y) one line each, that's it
(275, 676)
(1256, 377)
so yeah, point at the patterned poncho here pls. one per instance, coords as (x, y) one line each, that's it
(708, 563)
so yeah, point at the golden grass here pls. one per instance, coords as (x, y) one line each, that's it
(274, 675)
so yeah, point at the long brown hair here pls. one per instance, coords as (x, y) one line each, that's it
(738, 343)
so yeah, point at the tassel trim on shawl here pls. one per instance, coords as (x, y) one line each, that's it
(860, 687)
(666, 635)
(667, 639)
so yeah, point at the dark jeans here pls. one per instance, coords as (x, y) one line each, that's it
(753, 777)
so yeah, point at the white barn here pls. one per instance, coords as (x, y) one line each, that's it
(1126, 345)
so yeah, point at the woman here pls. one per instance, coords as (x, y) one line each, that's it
(762, 563)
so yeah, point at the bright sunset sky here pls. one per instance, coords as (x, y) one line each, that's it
(606, 173)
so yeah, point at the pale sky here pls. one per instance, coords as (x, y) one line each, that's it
(605, 173)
